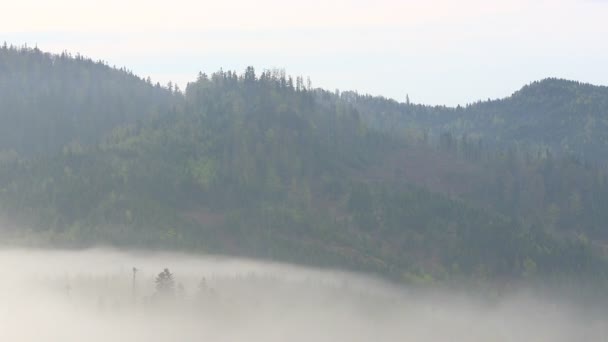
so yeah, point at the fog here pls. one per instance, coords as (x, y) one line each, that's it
(91, 296)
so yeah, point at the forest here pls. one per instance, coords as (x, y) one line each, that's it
(262, 164)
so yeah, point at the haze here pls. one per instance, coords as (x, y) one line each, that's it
(438, 52)
(270, 171)
(88, 296)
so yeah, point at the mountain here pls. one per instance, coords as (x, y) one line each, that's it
(566, 117)
(263, 165)
(49, 101)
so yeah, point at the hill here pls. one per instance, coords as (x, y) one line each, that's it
(262, 165)
(566, 117)
(49, 101)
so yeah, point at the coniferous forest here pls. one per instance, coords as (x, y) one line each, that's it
(258, 163)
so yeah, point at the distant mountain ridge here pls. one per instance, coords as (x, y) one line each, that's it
(48, 101)
(566, 117)
(560, 88)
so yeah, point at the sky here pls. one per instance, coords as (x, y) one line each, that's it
(439, 52)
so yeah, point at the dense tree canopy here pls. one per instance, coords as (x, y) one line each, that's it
(264, 165)
(566, 117)
(49, 101)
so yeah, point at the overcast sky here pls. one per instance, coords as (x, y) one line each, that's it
(437, 51)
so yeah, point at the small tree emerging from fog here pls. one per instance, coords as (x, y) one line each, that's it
(204, 290)
(165, 284)
(202, 285)
(133, 284)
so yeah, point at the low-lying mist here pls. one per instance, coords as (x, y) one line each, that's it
(95, 295)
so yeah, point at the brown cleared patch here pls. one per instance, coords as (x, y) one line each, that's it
(205, 217)
(425, 167)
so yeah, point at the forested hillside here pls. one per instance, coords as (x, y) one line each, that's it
(48, 101)
(264, 165)
(566, 117)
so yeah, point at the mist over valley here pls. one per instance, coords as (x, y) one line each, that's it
(91, 295)
(254, 205)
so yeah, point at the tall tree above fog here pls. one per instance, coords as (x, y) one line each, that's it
(165, 284)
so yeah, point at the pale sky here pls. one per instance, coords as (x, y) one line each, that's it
(437, 51)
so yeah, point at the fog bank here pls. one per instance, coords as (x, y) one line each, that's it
(93, 296)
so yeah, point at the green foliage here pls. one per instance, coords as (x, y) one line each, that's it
(49, 101)
(565, 117)
(265, 166)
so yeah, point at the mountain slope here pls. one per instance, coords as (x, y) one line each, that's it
(567, 117)
(48, 101)
(262, 166)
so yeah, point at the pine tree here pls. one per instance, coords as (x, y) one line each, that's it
(165, 284)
